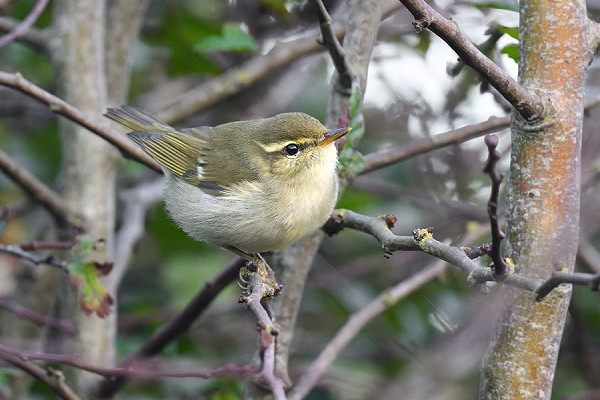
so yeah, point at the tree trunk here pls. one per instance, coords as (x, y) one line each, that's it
(543, 199)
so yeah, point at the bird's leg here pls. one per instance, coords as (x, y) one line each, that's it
(256, 263)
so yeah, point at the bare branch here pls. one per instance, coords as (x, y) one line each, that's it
(268, 334)
(141, 369)
(58, 106)
(38, 191)
(336, 51)
(17, 251)
(525, 102)
(576, 278)
(64, 326)
(25, 25)
(500, 266)
(423, 240)
(387, 157)
(53, 379)
(34, 37)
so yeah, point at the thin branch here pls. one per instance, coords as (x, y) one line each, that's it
(331, 42)
(387, 157)
(17, 251)
(268, 334)
(576, 278)
(528, 104)
(422, 240)
(140, 370)
(500, 266)
(38, 191)
(384, 158)
(25, 25)
(33, 37)
(64, 326)
(58, 106)
(53, 379)
(177, 326)
(360, 319)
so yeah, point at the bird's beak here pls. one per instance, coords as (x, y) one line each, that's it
(333, 135)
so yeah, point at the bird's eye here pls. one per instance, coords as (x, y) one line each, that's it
(291, 149)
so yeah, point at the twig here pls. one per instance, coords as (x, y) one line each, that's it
(500, 266)
(528, 104)
(53, 379)
(38, 191)
(64, 326)
(32, 258)
(422, 240)
(24, 26)
(33, 37)
(357, 321)
(577, 278)
(58, 106)
(268, 334)
(387, 157)
(331, 42)
(178, 325)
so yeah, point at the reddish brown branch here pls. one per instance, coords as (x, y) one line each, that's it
(53, 379)
(528, 104)
(142, 369)
(64, 326)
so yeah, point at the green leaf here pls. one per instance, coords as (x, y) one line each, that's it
(94, 297)
(232, 38)
(497, 4)
(84, 274)
(512, 31)
(351, 161)
(511, 50)
(84, 244)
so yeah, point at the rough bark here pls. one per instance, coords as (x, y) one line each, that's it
(543, 203)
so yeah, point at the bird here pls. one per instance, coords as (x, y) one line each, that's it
(249, 186)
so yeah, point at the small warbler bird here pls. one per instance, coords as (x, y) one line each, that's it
(247, 186)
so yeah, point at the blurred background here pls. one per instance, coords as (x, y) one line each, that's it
(430, 344)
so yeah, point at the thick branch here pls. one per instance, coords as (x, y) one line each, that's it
(58, 106)
(529, 105)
